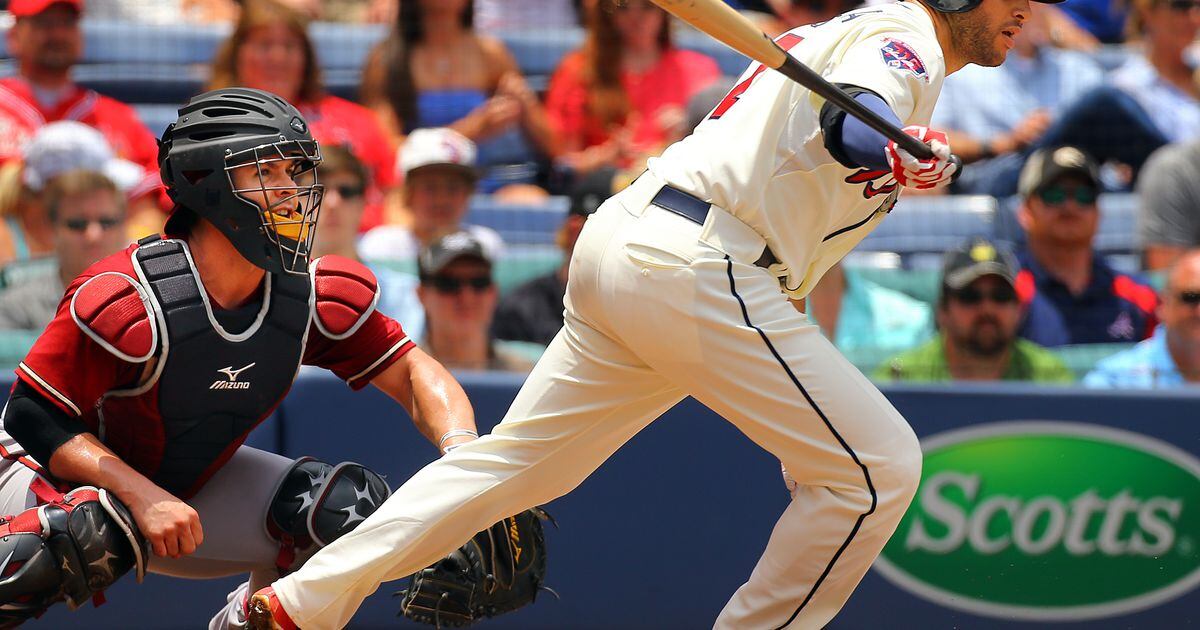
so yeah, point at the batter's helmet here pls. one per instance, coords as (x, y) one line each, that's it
(229, 128)
(961, 6)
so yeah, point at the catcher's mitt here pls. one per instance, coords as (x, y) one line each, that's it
(499, 570)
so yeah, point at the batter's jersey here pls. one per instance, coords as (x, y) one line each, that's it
(761, 155)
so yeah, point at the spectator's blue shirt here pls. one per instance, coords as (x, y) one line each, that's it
(1113, 308)
(983, 102)
(398, 299)
(1175, 112)
(1146, 365)
(875, 317)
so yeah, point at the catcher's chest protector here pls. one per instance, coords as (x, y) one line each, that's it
(211, 386)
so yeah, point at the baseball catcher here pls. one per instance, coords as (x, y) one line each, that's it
(122, 442)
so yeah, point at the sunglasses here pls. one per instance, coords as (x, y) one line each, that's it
(1182, 5)
(1058, 195)
(81, 225)
(1191, 298)
(448, 285)
(349, 191)
(972, 297)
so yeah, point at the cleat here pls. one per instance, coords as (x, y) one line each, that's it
(264, 612)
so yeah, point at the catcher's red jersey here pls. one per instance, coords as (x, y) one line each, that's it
(98, 359)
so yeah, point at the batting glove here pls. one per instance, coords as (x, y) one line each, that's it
(926, 174)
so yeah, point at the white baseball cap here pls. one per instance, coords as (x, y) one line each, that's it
(69, 145)
(437, 146)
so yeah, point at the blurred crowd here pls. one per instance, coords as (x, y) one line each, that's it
(1099, 97)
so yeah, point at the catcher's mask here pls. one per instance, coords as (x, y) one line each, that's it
(270, 215)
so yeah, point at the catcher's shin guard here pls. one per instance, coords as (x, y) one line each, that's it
(316, 503)
(70, 549)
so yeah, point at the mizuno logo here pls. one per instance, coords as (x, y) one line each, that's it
(233, 382)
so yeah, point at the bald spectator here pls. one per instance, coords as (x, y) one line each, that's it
(1072, 295)
(46, 41)
(87, 212)
(1171, 357)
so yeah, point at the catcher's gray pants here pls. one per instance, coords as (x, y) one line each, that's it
(658, 308)
(232, 506)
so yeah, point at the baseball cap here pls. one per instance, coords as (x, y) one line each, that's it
(1046, 165)
(69, 145)
(436, 256)
(974, 259)
(437, 146)
(29, 8)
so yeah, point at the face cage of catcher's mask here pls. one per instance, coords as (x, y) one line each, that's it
(306, 155)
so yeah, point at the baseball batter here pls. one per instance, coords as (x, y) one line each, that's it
(122, 439)
(678, 286)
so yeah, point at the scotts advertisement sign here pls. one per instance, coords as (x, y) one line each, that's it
(1047, 521)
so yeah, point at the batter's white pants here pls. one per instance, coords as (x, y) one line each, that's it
(658, 308)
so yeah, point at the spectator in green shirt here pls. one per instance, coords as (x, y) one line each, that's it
(977, 316)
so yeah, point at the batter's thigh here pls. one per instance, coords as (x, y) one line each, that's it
(232, 507)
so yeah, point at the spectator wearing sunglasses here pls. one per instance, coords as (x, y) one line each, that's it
(87, 212)
(1171, 356)
(460, 297)
(346, 180)
(977, 317)
(1071, 294)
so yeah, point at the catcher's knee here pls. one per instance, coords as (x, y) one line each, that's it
(68, 550)
(316, 503)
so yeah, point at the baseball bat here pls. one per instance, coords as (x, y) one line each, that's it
(731, 28)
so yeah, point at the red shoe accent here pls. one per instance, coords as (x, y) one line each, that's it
(266, 613)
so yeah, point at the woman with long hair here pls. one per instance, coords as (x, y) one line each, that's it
(436, 71)
(623, 95)
(270, 50)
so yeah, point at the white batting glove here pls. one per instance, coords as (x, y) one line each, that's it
(928, 174)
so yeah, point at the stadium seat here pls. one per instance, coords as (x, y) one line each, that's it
(1116, 236)
(520, 224)
(926, 224)
(731, 62)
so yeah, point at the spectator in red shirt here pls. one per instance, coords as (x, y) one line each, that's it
(623, 95)
(46, 42)
(270, 50)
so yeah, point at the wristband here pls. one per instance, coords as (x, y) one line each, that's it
(454, 433)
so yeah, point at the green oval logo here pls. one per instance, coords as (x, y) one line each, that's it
(1049, 521)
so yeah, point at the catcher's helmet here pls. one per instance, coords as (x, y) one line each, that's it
(226, 129)
(962, 6)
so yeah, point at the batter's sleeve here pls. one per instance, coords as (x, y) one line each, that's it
(898, 66)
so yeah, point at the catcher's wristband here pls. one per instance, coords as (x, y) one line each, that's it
(451, 434)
